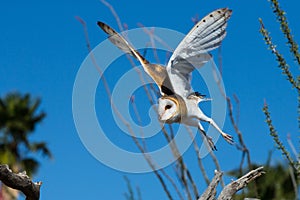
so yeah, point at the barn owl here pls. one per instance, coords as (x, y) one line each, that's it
(179, 103)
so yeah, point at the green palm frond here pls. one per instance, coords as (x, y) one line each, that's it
(19, 116)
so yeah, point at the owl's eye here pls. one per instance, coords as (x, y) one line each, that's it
(167, 107)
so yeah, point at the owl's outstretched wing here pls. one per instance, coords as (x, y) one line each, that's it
(157, 72)
(192, 52)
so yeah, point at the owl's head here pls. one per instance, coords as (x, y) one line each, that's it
(169, 109)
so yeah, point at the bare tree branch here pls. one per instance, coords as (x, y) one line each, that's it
(230, 189)
(211, 190)
(239, 184)
(20, 182)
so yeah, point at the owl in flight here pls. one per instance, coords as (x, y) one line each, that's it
(179, 103)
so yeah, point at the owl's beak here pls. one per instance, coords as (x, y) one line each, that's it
(161, 118)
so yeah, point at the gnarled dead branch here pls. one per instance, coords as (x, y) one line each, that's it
(20, 182)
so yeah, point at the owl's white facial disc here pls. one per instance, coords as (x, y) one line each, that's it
(167, 109)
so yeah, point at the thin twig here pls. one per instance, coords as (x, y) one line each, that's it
(298, 108)
(155, 37)
(144, 149)
(184, 174)
(197, 151)
(217, 164)
(138, 71)
(173, 184)
(180, 163)
(237, 110)
(137, 115)
(244, 148)
(116, 16)
(152, 41)
(220, 60)
(98, 68)
(151, 164)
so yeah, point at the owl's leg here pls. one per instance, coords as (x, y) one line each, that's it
(207, 138)
(226, 136)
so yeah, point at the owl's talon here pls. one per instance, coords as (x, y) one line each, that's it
(211, 143)
(228, 138)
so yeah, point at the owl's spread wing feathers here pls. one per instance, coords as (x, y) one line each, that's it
(191, 53)
(120, 42)
(157, 72)
(206, 35)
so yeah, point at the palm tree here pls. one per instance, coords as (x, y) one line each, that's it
(19, 116)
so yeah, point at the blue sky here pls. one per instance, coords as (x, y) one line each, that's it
(43, 46)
